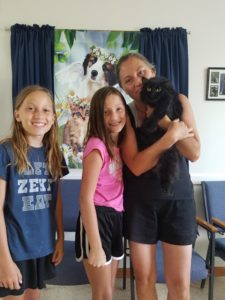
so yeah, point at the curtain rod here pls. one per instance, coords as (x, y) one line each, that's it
(8, 29)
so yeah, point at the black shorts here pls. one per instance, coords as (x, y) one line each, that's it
(110, 229)
(171, 221)
(34, 273)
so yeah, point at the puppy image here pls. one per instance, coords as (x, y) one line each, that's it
(97, 69)
(158, 95)
(78, 82)
(98, 72)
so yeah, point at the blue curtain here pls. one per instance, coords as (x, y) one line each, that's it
(167, 49)
(32, 54)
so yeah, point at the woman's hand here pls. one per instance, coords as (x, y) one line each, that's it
(97, 257)
(165, 122)
(176, 127)
(179, 130)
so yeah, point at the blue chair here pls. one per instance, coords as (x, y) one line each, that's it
(69, 271)
(213, 196)
(201, 269)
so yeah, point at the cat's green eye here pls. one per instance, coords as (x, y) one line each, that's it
(154, 90)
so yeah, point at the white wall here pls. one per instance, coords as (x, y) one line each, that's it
(203, 18)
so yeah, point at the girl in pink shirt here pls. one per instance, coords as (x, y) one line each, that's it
(99, 227)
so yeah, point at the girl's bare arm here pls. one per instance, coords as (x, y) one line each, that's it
(92, 165)
(10, 275)
(59, 246)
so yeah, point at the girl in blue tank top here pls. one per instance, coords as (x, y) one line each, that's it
(30, 202)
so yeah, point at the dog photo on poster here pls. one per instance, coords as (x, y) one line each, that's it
(84, 61)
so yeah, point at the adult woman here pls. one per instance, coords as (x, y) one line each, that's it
(150, 213)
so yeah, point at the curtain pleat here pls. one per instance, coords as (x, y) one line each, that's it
(167, 49)
(32, 54)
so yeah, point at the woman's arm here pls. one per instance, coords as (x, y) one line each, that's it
(189, 147)
(59, 246)
(10, 275)
(92, 165)
(140, 162)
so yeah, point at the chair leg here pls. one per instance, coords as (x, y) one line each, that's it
(208, 255)
(125, 264)
(132, 284)
(211, 268)
(207, 265)
(203, 283)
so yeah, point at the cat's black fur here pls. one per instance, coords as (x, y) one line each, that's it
(159, 94)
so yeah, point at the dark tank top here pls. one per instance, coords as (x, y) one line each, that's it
(147, 186)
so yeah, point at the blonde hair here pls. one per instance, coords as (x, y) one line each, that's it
(20, 143)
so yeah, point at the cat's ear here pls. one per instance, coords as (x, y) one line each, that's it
(144, 80)
(168, 83)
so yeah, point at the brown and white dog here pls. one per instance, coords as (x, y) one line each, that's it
(97, 73)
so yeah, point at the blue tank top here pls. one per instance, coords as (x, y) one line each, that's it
(29, 205)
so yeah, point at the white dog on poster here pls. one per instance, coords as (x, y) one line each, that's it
(98, 72)
(83, 80)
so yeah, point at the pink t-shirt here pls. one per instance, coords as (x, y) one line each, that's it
(109, 189)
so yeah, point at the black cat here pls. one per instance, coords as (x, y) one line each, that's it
(159, 94)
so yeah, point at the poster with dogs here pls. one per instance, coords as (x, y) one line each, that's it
(84, 61)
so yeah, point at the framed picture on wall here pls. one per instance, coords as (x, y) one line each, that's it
(215, 89)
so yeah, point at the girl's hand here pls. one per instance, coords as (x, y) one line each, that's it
(97, 257)
(10, 276)
(58, 252)
(180, 130)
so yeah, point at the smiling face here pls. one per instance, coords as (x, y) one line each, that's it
(131, 73)
(36, 116)
(114, 115)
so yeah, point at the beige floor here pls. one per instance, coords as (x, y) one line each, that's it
(83, 292)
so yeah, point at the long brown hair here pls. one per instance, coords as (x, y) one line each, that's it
(96, 125)
(50, 141)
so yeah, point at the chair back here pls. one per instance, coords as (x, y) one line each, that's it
(70, 198)
(213, 196)
(69, 271)
(198, 266)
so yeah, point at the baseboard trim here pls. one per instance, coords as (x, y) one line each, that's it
(219, 271)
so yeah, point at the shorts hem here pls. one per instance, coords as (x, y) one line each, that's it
(172, 241)
(141, 240)
(118, 257)
(179, 242)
